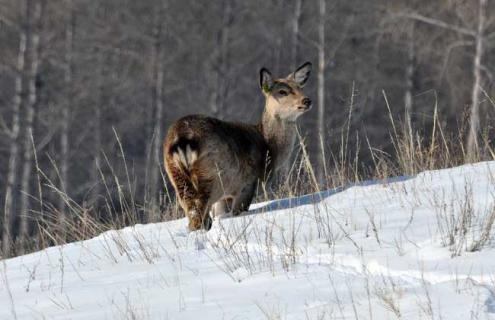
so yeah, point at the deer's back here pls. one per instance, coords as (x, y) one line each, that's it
(234, 153)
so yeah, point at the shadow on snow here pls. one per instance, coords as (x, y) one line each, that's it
(288, 203)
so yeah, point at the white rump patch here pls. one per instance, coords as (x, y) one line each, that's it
(186, 157)
(191, 155)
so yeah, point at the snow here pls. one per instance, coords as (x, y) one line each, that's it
(376, 250)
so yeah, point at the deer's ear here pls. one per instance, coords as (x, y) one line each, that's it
(301, 75)
(266, 80)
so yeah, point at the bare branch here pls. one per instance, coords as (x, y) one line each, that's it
(487, 72)
(439, 23)
(448, 51)
(4, 127)
(7, 21)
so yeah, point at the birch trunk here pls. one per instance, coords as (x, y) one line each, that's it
(474, 120)
(222, 67)
(295, 33)
(95, 173)
(408, 100)
(14, 136)
(66, 114)
(157, 98)
(34, 33)
(321, 90)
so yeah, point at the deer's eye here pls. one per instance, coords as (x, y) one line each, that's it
(282, 92)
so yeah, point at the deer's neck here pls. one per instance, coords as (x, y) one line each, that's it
(280, 136)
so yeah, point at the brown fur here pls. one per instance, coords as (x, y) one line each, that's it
(214, 163)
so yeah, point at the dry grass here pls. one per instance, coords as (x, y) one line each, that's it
(118, 205)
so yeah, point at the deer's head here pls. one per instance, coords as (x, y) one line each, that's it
(285, 98)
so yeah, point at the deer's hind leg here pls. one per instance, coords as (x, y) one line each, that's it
(222, 208)
(242, 202)
(194, 195)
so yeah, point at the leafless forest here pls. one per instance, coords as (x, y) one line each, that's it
(89, 87)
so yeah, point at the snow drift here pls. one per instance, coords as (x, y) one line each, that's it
(412, 248)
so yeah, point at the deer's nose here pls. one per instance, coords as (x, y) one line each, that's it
(307, 102)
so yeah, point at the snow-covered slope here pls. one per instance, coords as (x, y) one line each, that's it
(381, 251)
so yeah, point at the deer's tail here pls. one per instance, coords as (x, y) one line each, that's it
(184, 152)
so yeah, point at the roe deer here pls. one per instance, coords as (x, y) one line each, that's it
(214, 164)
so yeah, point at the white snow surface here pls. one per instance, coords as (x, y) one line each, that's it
(379, 250)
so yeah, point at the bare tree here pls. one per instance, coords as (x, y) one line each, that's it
(221, 66)
(321, 88)
(408, 100)
(34, 27)
(295, 33)
(66, 109)
(14, 132)
(97, 123)
(157, 101)
(477, 34)
(474, 120)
